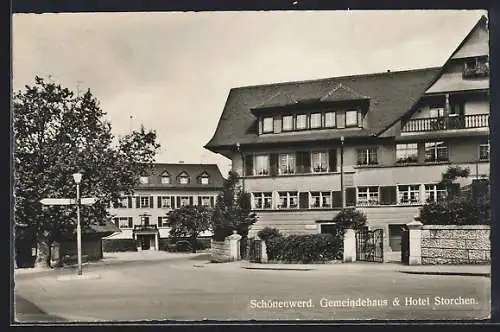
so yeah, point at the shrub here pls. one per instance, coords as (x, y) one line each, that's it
(267, 233)
(350, 218)
(305, 248)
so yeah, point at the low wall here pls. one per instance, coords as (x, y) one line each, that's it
(220, 251)
(455, 244)
(118, 245)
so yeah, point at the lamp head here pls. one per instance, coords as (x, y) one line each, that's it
(77, 177)
(342, 139)
(238, 146)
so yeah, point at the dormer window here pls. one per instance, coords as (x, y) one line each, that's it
(330, 120)
(144, 180)
(287, 122)
(351, 118)
(301, 121)
(165, 178)
(476, 67)
(267, 125)
(203, 178)
(183, 178)
(315, 120)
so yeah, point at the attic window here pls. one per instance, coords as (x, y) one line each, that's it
(183, 178)
(144, 180)
(476, 67)
(267, 125)
(165, 178)
(204, 180)
(351, 118)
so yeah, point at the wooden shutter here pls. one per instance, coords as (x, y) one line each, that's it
(137, 202)
(160, 224)
(388, 195)
(212, 201)
(350, 196)
(304, 200)
(129, 202)
(332, 160)
(199, 200)
(190, 200)
(130, 222)
(151, 202)
(274, 164)
(172, 202)
(178, 201)
(303, 162)
(159, 202)
(248, 165)
(336, 199)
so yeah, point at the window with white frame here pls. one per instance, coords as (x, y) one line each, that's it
(367, 156)
(267, 125)
(123, 222)
(287, 163)
(163, 222)
(183, 178)
(166, 202)
(368, 196)
(484, 151)
(320, 199)
(406, 153)
(205, 201)
(301, 121)
(123, 202)
(435, 193)
(204, 180)
(261, 165)
(287, 200)
(263, 200)
(145, 201)
(315, 120)
(351, 118)
(287, 122)
(144, 179)
(330, 120)
(319, 162)
(165, 179)
(409, 194)
(184, 200)
(436, 151)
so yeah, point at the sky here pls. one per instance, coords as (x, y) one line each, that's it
(172, 71)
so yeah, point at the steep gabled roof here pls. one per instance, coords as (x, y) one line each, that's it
(175, 170)
(391, 95)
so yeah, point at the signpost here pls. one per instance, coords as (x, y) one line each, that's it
(71, 201)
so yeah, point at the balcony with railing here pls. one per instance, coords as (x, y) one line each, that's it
(449, 123)
(145, 228)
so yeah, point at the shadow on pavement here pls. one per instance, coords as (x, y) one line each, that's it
(28, 312)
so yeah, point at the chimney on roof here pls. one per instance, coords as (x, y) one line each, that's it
(388, 70)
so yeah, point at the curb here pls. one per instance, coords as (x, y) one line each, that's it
(277, 268)
(467, 274)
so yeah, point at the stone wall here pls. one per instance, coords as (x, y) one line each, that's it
(454, 244)
(221, 251)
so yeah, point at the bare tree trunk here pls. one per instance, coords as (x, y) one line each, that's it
(43, 253)
(193, 244)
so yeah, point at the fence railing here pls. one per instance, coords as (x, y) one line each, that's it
(441, 123)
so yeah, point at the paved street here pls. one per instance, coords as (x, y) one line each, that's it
(190, 288)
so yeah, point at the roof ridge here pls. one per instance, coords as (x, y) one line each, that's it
(336, 77)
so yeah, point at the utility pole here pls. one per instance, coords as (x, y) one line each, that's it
(342, 171)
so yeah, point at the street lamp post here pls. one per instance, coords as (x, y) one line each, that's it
(342, 171)
(78, 178)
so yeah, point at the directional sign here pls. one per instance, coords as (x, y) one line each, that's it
(58, 201)
(88, 200)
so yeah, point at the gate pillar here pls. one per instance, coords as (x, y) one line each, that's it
(349, 245)
(415, 236)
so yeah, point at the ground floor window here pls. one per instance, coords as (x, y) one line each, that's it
(484, 151)
(434, 193)
(329, 229)
(287, 200)
(263, 200)
(162, 221)
(409, 194)
(184, 200)
(123, 222)
(368, 196)
(321, 200)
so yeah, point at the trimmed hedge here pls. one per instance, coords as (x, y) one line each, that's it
(305, 248)
(267, 233)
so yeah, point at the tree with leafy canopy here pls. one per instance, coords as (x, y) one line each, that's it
(233, 211)
(57, 133)
(458, 207)
(189, 221)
